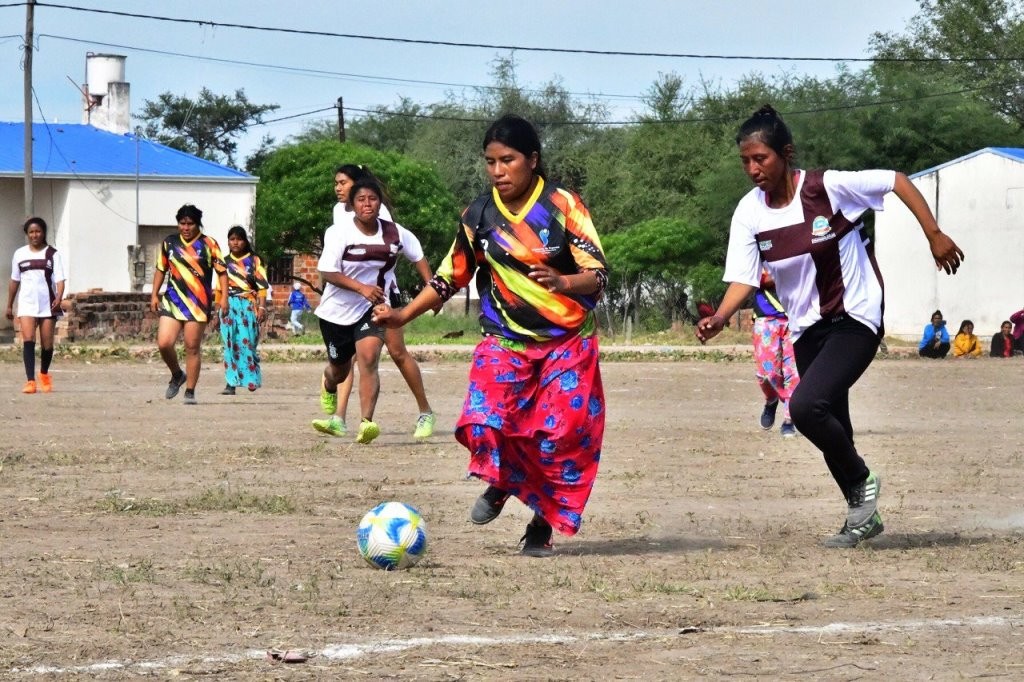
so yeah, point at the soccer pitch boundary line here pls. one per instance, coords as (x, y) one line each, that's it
(345, 652)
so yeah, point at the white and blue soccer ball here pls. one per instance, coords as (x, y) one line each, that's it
(392, 536)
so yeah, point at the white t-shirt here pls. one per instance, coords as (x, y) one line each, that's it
(821, 267)
(35, 294)
(348, 251)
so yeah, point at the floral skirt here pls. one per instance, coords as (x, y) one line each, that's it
(533, 422)
(241, 334)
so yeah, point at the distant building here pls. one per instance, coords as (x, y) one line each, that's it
(979, 201)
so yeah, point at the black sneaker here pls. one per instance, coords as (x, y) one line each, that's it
(174, 385)
(768, 414)
(488, 506)
(849, 537)
(190, 396)
(228, 390)
(537, 539)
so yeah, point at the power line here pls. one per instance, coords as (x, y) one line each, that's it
(315, 72)
(524, 48)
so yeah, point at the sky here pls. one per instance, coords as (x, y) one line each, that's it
(307, 73)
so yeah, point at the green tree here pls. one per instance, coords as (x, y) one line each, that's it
(207, 126)
(984, 39)
(295, 197)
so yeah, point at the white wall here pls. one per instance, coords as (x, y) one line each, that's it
(980, 204)
(101, 222)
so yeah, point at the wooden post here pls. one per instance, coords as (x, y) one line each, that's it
(341, 121)
(30, 10)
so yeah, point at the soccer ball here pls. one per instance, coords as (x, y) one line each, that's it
(392, 536)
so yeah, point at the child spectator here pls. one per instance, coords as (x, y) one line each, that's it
(965, 343)
(298, 304)
(935, 339)
(1003, 343)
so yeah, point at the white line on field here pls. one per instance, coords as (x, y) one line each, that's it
(339, 652)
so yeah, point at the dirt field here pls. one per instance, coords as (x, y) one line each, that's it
(141, 537)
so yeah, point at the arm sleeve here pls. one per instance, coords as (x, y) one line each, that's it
(163, 260)
(743, 259)
(411, 247)
(330, 257)
(853, 192)
(15, 270)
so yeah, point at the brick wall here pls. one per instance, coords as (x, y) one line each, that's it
(108, 316)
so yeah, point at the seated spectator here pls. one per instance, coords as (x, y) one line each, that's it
(1018, 330)
(966, 344)
(935, 339)
(1003, 343)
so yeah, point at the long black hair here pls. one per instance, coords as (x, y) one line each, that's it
(360, 172)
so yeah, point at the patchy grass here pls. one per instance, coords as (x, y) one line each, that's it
(220, 499)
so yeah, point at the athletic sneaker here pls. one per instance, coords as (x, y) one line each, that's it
(174, 385)
(768, 414)
(488, 506)
(368, 430)
(863, 501)
(228, 390)
(45, 382)
(537, 539)
(29, 387)
(787, 430)
(850, 536)
(424, 426)
(334, 426)
(190, 396)
(328, 400)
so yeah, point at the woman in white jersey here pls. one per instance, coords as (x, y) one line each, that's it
(357, 266)
(344, 178)
(805, 229)
(37, 282)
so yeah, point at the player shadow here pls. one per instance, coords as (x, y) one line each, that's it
(639, 546)
(902, 541)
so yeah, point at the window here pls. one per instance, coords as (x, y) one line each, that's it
(279, 270)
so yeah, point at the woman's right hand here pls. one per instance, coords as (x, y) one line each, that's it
(374, 295)
(386, 316)
(154, 304)
(709, 327)
(10, 313)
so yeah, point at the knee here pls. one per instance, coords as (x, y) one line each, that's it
(805, 408)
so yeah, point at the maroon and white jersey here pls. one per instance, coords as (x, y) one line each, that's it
(814, 248)
(369, 259)
(37, 273)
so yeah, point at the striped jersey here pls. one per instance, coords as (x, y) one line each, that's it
(246, 274)
(553, 229)
(814, 248)
(189, 267)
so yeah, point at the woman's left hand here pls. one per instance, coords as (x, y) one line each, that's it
(549, 278)
(261, 314)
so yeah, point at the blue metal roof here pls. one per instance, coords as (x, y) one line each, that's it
(1013, 153)
(80, 150)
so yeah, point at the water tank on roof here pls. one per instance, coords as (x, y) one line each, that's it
(101, 69)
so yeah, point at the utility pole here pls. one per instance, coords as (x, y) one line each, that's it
(341, 121)
(30, 15)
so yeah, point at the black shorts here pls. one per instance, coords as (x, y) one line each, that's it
(340, 339)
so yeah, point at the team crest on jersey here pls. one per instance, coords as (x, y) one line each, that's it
(765, 245)
(820, 226)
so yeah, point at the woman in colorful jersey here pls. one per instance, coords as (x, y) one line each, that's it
(773, 353)
(533, 419)
(37, 282)
(247, 308)
(345, 177)
(188, 260)
(805, 228)
(357, 266)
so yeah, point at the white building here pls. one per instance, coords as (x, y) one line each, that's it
(978, 200)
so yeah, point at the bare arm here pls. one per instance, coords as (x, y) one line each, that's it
(581, 283)
(734, 297)
(946, 253)
(154, 297)
(60, 297)
(386, 316)
(373, 294)
(12, 293)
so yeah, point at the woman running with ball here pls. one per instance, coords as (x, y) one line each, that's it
(805, 229)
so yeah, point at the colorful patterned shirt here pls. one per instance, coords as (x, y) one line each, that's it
(246, 275)
(190, 269)
(554, 229)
